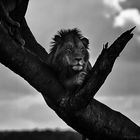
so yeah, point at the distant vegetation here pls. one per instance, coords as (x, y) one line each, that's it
(39, 135)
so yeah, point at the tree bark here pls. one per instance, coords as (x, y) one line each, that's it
(80, 111)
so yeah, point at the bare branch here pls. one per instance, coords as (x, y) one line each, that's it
(100, 71)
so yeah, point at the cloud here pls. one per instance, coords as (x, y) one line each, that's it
(123, 15)
(128, 4)
(114, 4)
(127, 16)
(28, 113)
(12, 84)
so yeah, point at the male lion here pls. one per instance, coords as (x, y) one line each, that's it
(69, 58)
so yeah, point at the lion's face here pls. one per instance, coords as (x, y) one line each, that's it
(74, 54)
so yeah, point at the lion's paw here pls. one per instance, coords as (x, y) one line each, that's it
(80, 78)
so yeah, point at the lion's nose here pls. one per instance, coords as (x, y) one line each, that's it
(78, 58)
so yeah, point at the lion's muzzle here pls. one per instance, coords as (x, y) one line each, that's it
(77, 67)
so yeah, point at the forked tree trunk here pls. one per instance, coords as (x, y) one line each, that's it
(80, 111)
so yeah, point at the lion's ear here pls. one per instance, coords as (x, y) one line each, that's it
(57, 38)
(85, 42)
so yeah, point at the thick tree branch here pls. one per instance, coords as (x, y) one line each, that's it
(29, 66)
(97, 121)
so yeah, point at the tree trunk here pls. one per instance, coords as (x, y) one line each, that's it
(80, 111)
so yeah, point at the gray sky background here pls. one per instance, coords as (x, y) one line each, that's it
(22, 107)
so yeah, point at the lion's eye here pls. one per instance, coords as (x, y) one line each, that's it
(82, 50)
(69, 50)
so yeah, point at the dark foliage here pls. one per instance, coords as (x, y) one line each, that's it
(39, 135)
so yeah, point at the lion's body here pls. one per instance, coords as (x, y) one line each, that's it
(69, 58)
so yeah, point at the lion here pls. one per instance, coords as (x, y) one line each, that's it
(69, 58)
(10, 9)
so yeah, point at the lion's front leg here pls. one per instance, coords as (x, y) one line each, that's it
(77, 80)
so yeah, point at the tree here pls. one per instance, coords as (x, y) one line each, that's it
(79, 110)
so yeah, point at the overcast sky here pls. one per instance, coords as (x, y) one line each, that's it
(22, 107)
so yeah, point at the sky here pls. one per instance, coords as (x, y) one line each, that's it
(101, 21)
